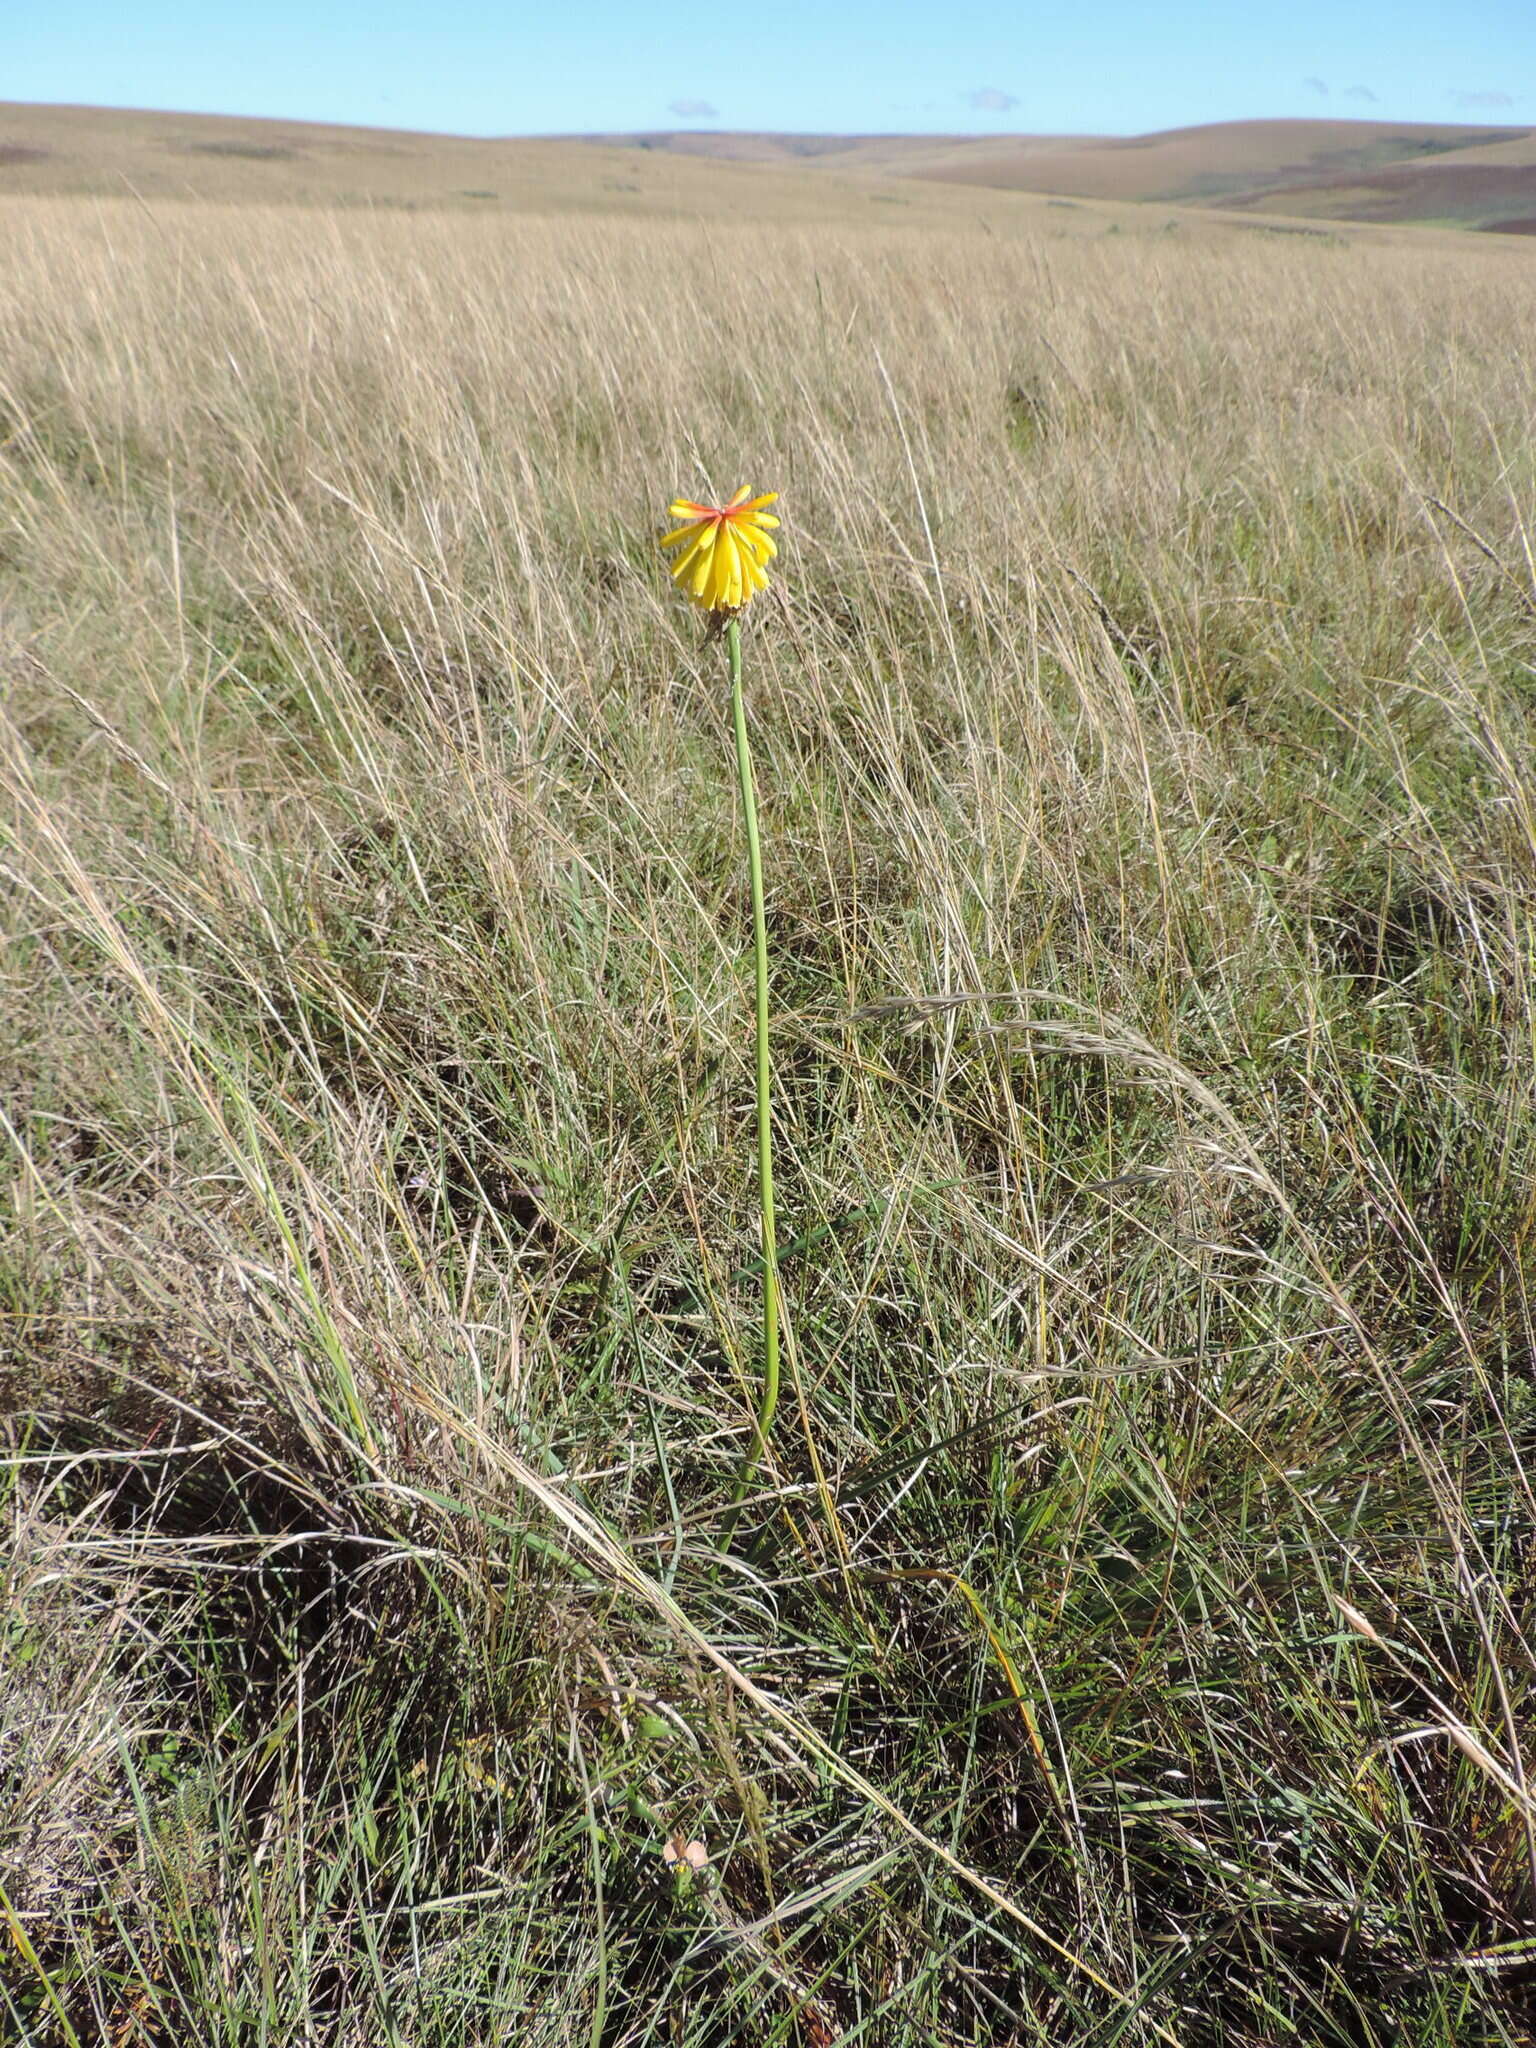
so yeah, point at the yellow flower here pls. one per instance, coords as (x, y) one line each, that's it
(724, 550)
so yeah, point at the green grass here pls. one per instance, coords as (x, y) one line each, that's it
(1142, 727)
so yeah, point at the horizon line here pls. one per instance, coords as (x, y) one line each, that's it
(819, 134)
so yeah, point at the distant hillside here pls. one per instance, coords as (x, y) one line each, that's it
(226, 157)
(1369, 171)
(158, 156)
(1473, 176)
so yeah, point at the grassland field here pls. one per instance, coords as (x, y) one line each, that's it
(1128, 1637)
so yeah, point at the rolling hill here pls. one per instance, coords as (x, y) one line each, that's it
(1472, 176)
(1367, 171)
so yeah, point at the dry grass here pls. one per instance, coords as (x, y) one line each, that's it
(1143, 727)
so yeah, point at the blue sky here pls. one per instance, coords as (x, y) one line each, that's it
(938, 66)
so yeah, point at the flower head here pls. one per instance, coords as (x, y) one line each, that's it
(723, 550)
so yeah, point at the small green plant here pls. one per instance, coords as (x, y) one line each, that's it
(721, 564)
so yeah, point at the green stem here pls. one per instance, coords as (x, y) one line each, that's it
(768, 1400)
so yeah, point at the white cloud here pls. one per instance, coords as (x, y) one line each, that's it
(1483, 99)
(1317, 85)
(693, 110)
(987, 99)
(1360, 92)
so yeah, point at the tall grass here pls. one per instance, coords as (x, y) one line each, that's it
(1144, 750)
